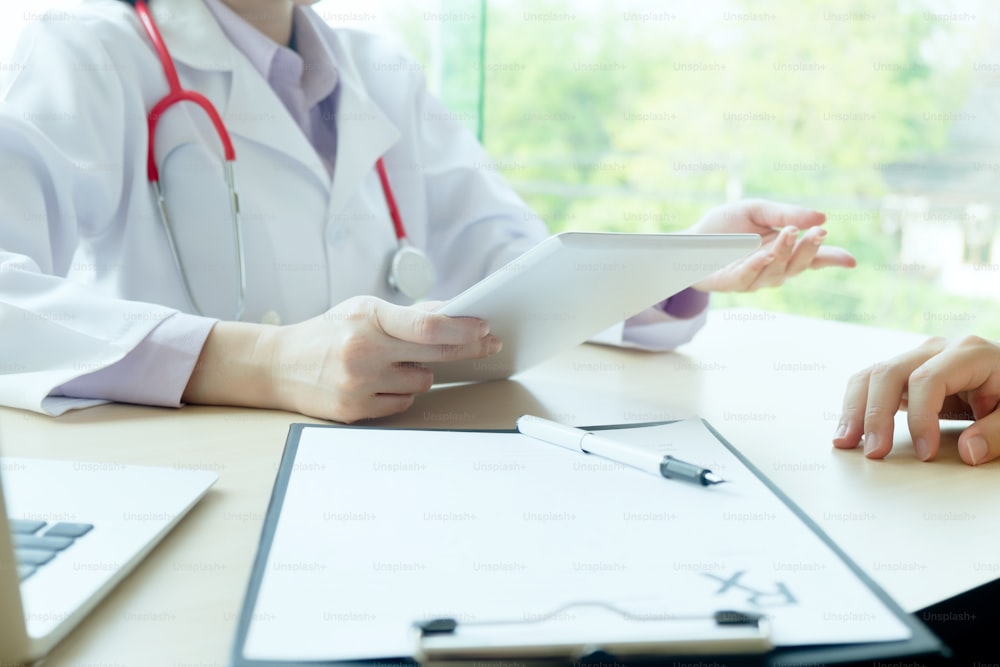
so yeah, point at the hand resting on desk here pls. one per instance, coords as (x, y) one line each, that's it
(940, 379)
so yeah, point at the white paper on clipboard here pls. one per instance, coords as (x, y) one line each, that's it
(381, 528)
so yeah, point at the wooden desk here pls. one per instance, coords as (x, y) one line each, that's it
(772, 384)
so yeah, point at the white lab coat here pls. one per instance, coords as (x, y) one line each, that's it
(85, 269)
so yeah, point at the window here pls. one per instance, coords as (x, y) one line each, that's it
(639, 115)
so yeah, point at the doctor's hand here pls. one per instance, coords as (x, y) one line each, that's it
(359, 360)
(791, 242)
(939, 380)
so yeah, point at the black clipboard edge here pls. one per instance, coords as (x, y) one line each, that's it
(921, 645)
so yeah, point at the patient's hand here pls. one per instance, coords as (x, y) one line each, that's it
(941, 379)
(791, 242)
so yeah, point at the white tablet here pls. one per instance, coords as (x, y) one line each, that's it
(574, 285)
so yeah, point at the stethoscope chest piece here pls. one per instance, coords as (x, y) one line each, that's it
(411, 272)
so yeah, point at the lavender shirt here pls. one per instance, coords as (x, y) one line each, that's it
(304, 78)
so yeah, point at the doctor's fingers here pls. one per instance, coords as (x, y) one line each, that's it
(417, 325)
(782, 249)
(429, 306)
(970, 365)
(803, 253)
(828, 256)
(743, 274)
(371, 406)
(415, 353)
(371, 390)
(765, 213)
(369, 364)
(810, 253)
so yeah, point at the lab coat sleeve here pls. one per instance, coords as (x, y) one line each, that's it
(59, 117)
(155, 372)
(653, 330)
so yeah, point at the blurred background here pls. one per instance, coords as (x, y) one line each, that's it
(639, 115)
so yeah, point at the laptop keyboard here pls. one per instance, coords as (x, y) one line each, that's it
(39, 542)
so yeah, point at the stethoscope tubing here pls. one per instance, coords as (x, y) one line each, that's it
(410, 270)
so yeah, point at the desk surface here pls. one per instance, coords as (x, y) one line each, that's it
(771, 384)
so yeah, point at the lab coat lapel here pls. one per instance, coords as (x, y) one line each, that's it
(256, 113)
(364, 133)
(252, 110)
(363, 136)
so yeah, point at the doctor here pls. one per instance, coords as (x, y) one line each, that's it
(284, 298)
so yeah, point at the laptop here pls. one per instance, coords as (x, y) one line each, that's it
(70, 531)
(573, 286)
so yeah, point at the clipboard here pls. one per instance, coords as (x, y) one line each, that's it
(737, 636)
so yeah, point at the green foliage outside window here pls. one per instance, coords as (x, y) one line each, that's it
(638, 116)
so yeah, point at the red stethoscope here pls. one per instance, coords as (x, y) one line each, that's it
(411, 272)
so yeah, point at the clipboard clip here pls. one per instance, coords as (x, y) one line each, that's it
(580, 630)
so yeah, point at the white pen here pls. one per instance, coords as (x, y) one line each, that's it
(588, 442)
